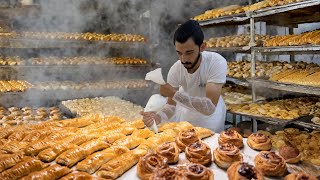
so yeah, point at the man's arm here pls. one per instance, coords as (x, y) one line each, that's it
(213, 92)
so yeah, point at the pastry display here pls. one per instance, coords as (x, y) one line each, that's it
(226, 154)
(270, 164)
(260, 142)
(197, 171)
(170, 151)
(305, 77)
(234, 41)
(168, 173)
(85, 85)
(234, 94)
(149, 163)
(199, 152)
(299, 176)
(232, 137)
(102, 105)
(306, 38)
(79, 176)
(52, 172)
(290, 154)
(242, 170)
(14, 86)
(11, 61)
(186, 138)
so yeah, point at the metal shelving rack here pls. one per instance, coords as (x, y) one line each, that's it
(287, 15)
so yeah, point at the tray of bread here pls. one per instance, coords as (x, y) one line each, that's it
(235, 41)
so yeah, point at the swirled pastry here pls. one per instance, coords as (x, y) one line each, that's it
(258, 141)
(299, 176)
(226, 154)
(243, 171)
(149, 163)
(185, 138)
(290, 154)
(197, 172)
(168, 173)
(270, 164)
(170, 151)
(199, 152)
(232, 137)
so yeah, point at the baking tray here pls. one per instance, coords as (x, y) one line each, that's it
(306, 122)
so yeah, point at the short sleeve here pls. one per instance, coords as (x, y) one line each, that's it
(174, 75)
(217, 70)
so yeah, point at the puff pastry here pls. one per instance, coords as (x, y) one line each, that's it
(258, 141)
(270, 164)
(183, 126)
(117, 166)
(14, 146)
(80, 176)
(77, 122)
(149, 163)
(185, 138)
(50, 173)
(199, 152)
(232, 137)
(203, 132)
(126, 130)
(170, 151)
(153, 142)
(226, 154)
(98, 128)
(139, 124)
(300, 176)
(168, 125)
(72, 156)
(94, 161)
(197, 171)
(242, 170)
(109, 137)
(129, 142)
(8, 161)
(143, 133)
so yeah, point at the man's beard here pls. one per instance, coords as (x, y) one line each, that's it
(193, 64)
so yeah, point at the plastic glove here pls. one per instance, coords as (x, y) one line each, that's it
(202, 105)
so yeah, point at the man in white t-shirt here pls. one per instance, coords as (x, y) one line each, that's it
(194, 83)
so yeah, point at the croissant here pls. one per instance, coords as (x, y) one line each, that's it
(10, 160)
(199, 152)
(226, 154)
(197, 171)
(232, 137)
(185, 138)
(270, 164)
(80, 176)
(94, 161)
(143, 133)
(50, 173)
(300, 176)
(241, 171)
(170, 151)
(149, 163)
(168, 173)
(130, 142)
(258, 141)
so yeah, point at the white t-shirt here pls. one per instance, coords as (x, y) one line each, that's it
(213, 69)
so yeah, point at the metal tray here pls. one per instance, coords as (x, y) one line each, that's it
(241, 82)
(288, 49)
(236, 19)
(306, 122)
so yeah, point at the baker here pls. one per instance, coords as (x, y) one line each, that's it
(194, 83)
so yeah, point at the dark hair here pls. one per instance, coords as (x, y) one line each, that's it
(189, 29)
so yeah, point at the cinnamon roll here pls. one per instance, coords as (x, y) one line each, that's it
(168, 173)
(232, 137)
(270, 164)
(185, 138)
(199, 152)
(290, 154)
(243, 171)
(226, 154)
(197, 172)
(170, 151)
(300, 176)
(148, 163)
(258, 141)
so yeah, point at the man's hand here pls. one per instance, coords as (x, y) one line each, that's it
(149, 117)
(167, 90)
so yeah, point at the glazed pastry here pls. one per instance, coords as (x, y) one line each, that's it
(153, 142)
(300, 176)
(199, 152)
(168, 173)
(197, 171)
(117, 166)
(10, 160)
(143, 133)
(168, 125)
(130, 142)
(185, 138)
(183, 126)
(203, 132)
(94, 161)
(290, 154)
(80, 176)
(243, 171)
(270, 164)
(232, 137)
(226, 154)
(149, 163)
(139, 124)
(170, 151)
(52, 172)
(259, 142)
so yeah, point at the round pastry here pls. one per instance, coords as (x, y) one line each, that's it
(258, 141)
(290, 154)
(170, 151)
(226, 154)
(242, 171)
(185, 138)
(149, 163)
(168, 173)
(270, 164)
(300, 176)
(232, 137)
(199, 152)
(197, 171)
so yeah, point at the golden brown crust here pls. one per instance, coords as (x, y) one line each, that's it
(258, 141)
(168, 173)
(185, 138)
(80, 176)
(197, 172)
(232, 137)
(170, 151)
(290, 154)
(7, 161)
(226, 154)
(300, 176)
(149, 163)
(243, 171)
(52, 172)
(270, 164)
(199, 152)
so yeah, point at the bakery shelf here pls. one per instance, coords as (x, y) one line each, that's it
(288, 49)
(24, 11)
(241, 82)
(245, 49)
(286, 87)
(237, 19)
(306, 122)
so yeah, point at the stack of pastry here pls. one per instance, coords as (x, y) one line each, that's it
(306, 38)
(281, 109)
(235, 41)
(281, 2)
(14, 86)
(218, 12)
(111, 105)
(11, 61)
(305, 77)
(70, 85)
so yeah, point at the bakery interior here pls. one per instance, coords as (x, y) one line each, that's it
(72, 84)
